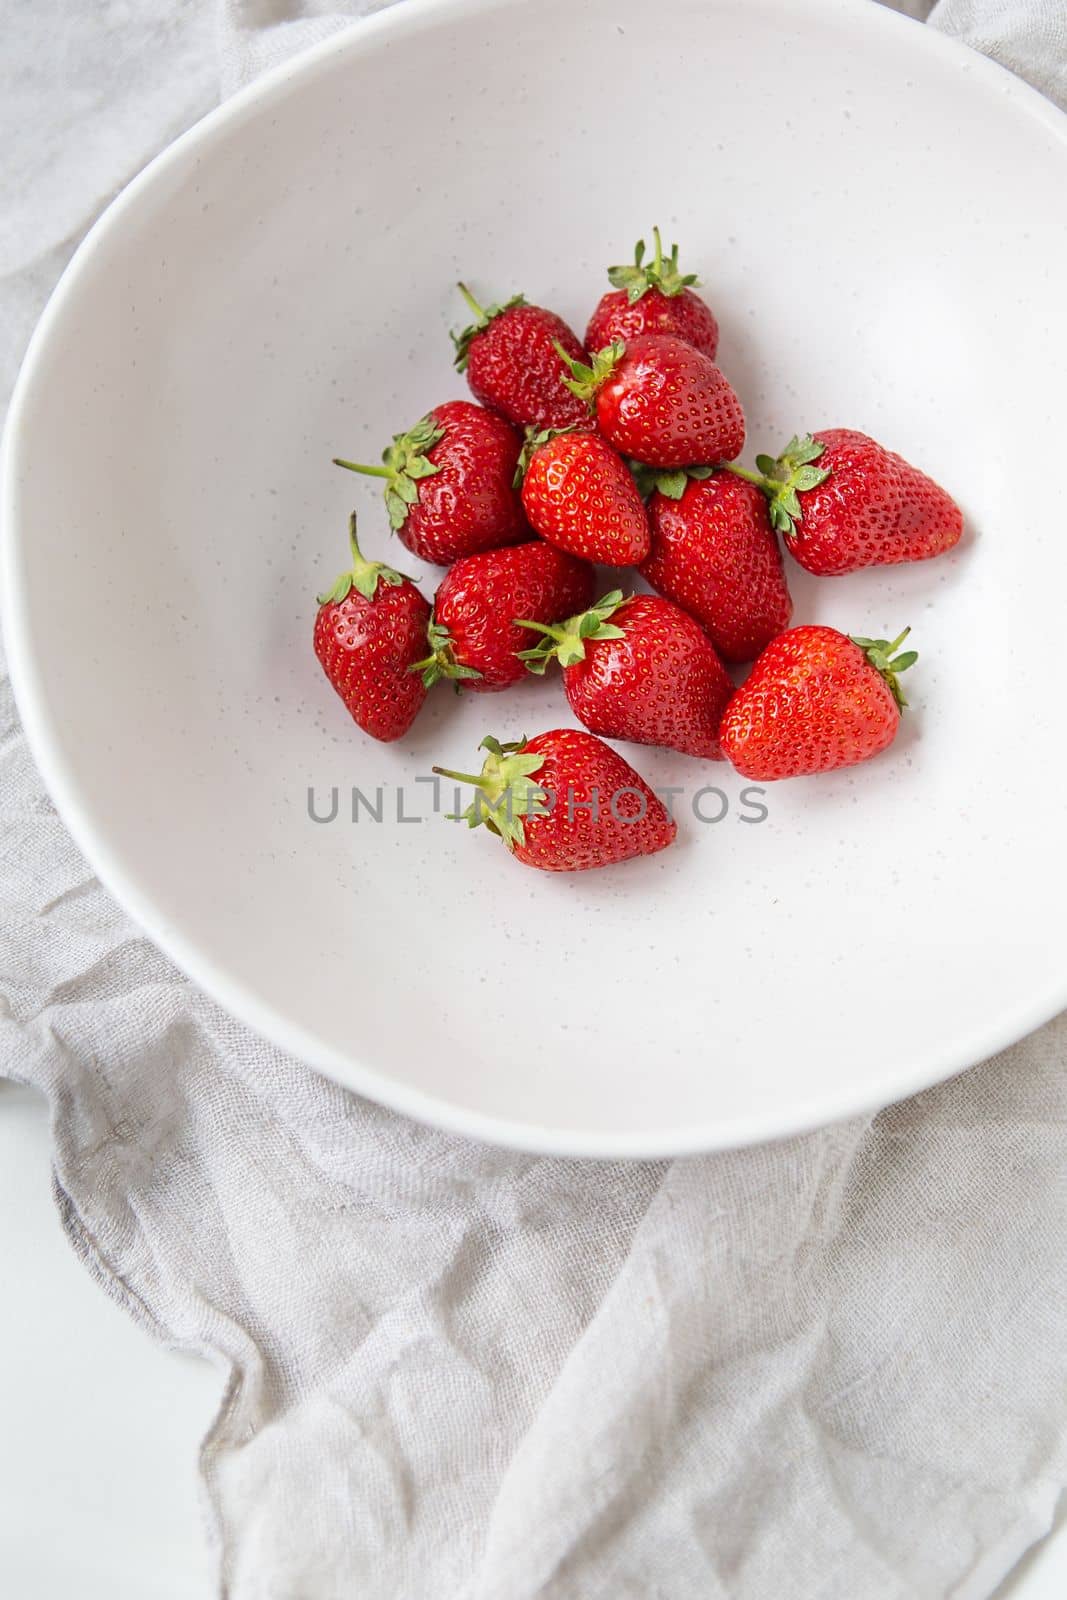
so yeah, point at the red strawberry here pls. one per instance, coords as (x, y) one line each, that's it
(579, 494)
(369, 631)
(814, 701)
(653, 299)
(639, 669)
(473, 637)
(565, 802)
(449, 483)
(861, 506)
(660, 401)
(715, 555)
(512, 364)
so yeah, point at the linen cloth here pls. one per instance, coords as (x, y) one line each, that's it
(831, 1367)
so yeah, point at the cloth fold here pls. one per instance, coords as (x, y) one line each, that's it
(831, 1367)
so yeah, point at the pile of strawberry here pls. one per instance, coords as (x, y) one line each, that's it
(624, 452)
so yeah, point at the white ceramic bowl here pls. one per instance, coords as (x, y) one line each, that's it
(878, 217)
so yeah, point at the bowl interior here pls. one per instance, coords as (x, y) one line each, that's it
(879, 223)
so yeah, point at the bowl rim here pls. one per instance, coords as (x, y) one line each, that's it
(270, 1024)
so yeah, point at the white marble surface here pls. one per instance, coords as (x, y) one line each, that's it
(87, 1397)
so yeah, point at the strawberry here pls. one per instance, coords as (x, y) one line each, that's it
(860, 506)
(369, 631)
(814, 701)
(653, 299)
(449, 483)
(579, 494)
(509, 354)
(565, 802)
(639, 669)
(715, 554)
(473, 637)
(660, 401)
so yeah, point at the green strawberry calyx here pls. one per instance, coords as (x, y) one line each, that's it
(364, 576)
(483, 316)
(535, 438)
(587, 377)
(882, 655)
(660, 273)
(441, 662)
(785, 479)
(505, 793)
(405, 464)
(565, 642)
(667, 481)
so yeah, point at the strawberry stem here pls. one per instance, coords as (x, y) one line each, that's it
(441, 662)
(483, 316)
(566, 643)
(359, 466)
(457, 777)
(660, 273)
(586, 378)
(364, 576)
(784, 479)
(882, 655)
(539, 627)
(405, 463)
(505, 793)
(475, 309)
(749, 476)
(358, 559)
(535, 438)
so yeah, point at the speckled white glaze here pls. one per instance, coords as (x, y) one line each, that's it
(880, 222)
